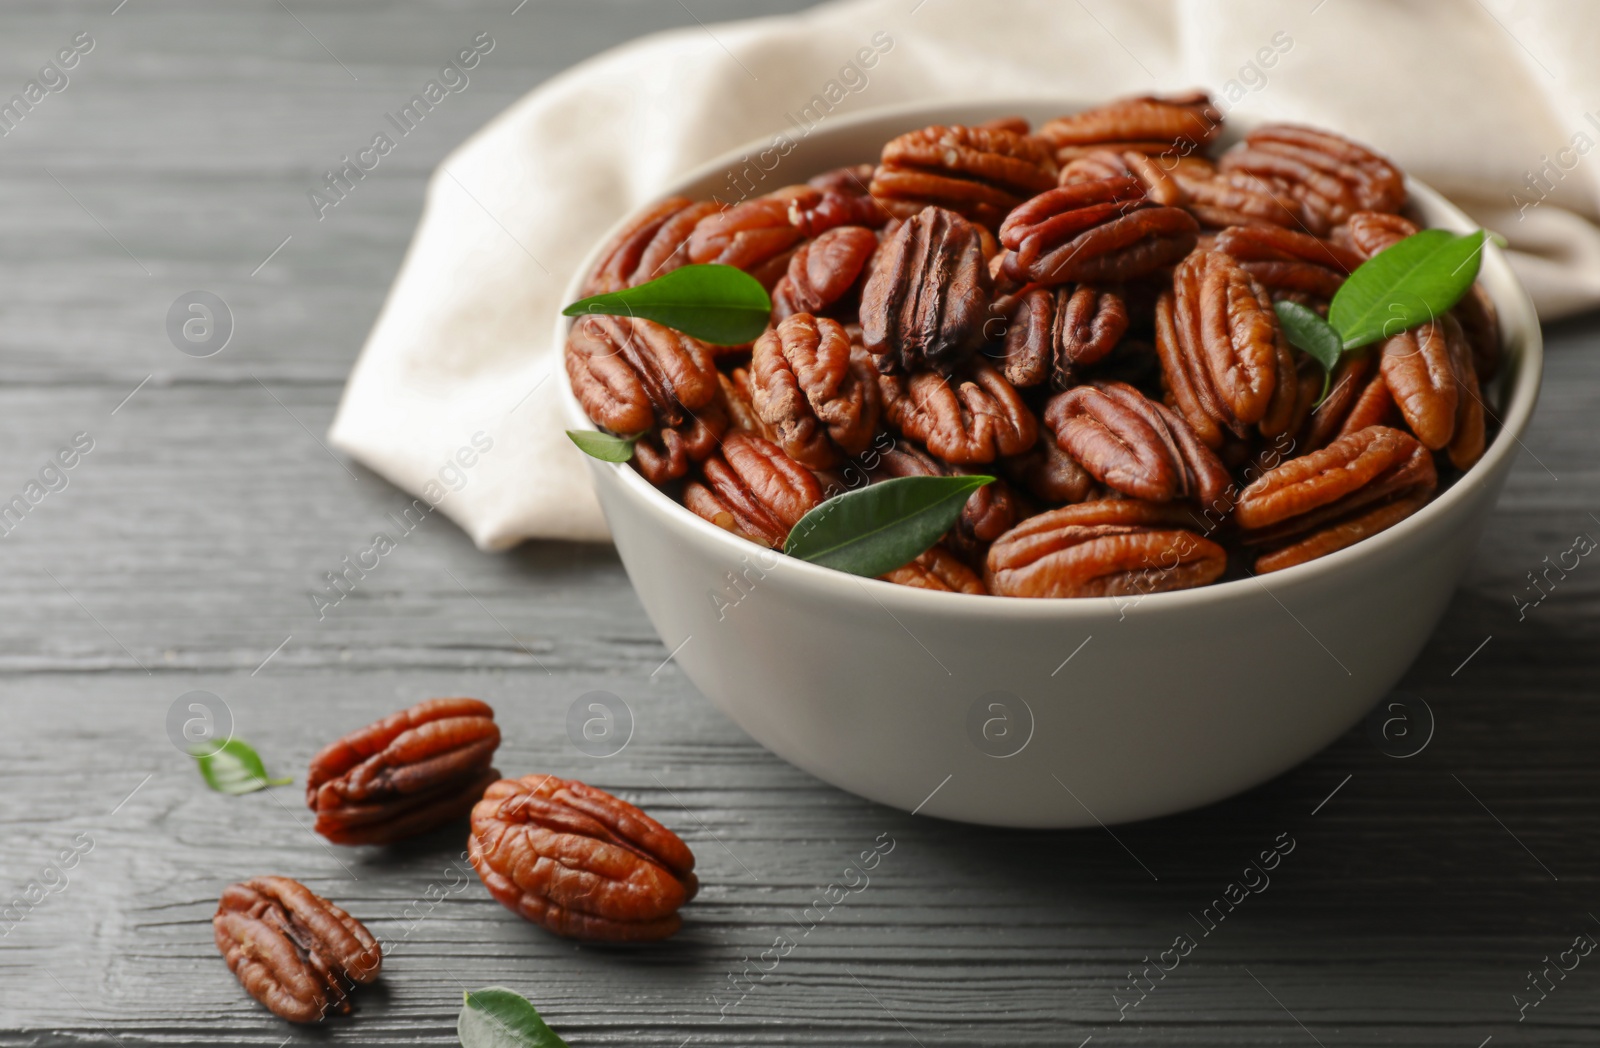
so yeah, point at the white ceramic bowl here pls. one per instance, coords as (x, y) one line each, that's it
(1049, 713)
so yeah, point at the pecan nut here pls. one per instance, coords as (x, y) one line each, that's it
(652, 243)
(937, 569)
(758, 236)
(1050, 475)
(1052, 332)
(405, 774)
(1329, 177)
(1109, 548)
(292, 950)
(1285, 261)
(1153, 175)
(1101, 230)
(1222, 351)
(978, 172)
(666, 454)
(1326, 489)
(1148, 124)
(1229, 198)
(817, 393)
(578, 861)
(753, 490)
(1419, 367)
(1357, 398)
(971, 417)
(823, 272)
(1134, 445)
(927, 295)
(632, 375)
(1339, 535)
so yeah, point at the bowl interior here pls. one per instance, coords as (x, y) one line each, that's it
(742, 174)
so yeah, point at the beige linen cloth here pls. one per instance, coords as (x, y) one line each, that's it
(1486, 101)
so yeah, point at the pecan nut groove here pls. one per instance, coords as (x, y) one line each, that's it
(823, 272)
(753, 490)
(1134, 445)
(405, 774)
(1154, 124)
(580, 862)
(631, 375)
(927, 296)
(292, 950)
(1109, 548)
(652, 243)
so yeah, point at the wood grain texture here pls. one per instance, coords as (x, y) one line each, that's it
(185, 549)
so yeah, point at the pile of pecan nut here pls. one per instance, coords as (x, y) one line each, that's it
(567, 856)
(1083, 310)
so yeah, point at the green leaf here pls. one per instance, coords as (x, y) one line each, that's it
(1308, 331)
(1411, 282)
(880, 527)
(234, 768)
(496, 1017)
(603, 446)
(719, 304)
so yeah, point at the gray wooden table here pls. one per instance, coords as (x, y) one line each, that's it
(1420, 893)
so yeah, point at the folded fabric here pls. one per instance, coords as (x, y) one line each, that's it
(455, 395)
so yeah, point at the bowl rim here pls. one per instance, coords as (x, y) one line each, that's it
(1519, 323)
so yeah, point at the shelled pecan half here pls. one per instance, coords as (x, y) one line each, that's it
(1287, 261)
(971, 417)
(978, 172)
(1094, 231)
(1053, 331)
(1108, 548)
(1134, 445)
(1357, 398)
(652, 243)
(1419, 367)
(405, 774)
(1328, 176)
(1153, 124)
(1152, 174)
(937, 569)
(816, 392)
(666, 454)
(753, 490)
(759, 235)
(1333, 495)
(1221, 350)
(1050, 475)
(632, 375)
(292, 950)
(823, 272)
(580, 862)
(1222, 198)
(927, 295)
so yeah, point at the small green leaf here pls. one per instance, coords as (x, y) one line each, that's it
(719, 304)
(603, 446)
(234, 768)
(880, 527)
(496, 1017)
(1404, 285)
(1308, 331)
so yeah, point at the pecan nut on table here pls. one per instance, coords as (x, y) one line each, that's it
(1088, 310)
(406, 774)
(292, 950)
(580, 862)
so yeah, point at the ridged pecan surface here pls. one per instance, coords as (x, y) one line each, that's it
(652, 243)
(978, 172)
(1133, 444)
(1328, 176)
(1052, 333)
(580, 862)
(927, 296)
(632, 375)
(292, 950)
(1100, 230)
(816, 393)
(1149, 124)
(1110, 548)
(824, 271)
(405, 774)
(753, 490)
(937, 569)
(971, 417)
